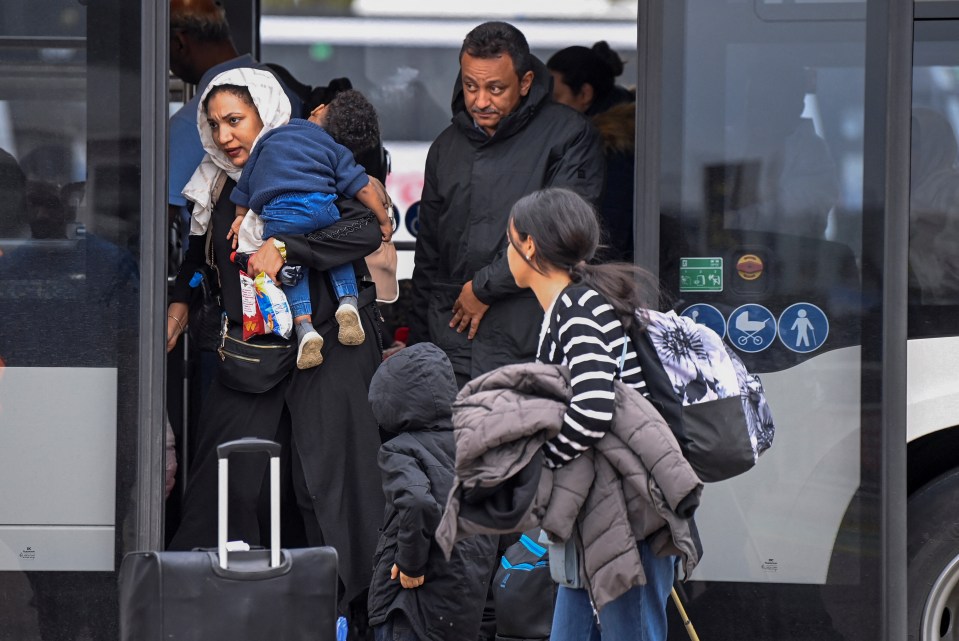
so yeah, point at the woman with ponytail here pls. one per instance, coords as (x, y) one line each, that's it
(553, 234)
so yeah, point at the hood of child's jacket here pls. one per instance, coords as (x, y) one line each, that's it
(414, 389)
(540, 91)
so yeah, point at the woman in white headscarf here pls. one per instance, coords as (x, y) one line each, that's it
(323, 411)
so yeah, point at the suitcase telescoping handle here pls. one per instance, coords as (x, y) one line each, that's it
(247, 445)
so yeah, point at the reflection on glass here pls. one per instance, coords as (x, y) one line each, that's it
(69, 292)
(791, 179)
(934, 209)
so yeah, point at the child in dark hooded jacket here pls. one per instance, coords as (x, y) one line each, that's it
(416, 594)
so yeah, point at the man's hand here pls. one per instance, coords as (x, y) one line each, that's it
(407, 582)
(468, 311)
(267, 259)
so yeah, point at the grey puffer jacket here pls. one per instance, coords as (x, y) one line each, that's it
(634, 484)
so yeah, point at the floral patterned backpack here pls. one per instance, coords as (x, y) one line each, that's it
(715, 407)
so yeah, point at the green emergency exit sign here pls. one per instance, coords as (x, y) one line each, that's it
(700, 274)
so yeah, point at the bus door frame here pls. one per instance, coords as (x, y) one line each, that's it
(888, 91)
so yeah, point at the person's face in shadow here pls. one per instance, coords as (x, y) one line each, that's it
(564, 94)
(234, 124)
(181, 61)
(48, 216)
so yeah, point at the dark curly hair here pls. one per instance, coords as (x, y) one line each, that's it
(493, 39)
(352, 121)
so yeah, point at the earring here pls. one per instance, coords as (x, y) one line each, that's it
(527, 256)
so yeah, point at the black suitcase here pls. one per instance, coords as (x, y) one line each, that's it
(214, 595)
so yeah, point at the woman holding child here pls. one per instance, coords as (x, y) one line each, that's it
(321, 410)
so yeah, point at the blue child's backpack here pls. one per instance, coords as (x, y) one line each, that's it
(524, 592)
(714, 406)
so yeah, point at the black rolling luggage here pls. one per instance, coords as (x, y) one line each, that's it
(213, 595)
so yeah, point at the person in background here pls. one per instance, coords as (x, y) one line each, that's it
(584, 78)
(792, 180)
(416, 594)
(200, 48)
(934, 209)
(507, 139)
(553, 234)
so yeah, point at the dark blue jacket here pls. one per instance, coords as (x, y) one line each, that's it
(411, 395)
(297, 157)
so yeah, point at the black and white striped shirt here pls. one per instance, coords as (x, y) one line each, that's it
(581, 330)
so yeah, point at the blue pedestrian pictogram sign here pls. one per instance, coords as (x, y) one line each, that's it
(707, 315)
(803, 327)
(752, 328)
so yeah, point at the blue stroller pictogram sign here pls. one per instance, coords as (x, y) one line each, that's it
(803, 327)
(751, 328)
(707, 315)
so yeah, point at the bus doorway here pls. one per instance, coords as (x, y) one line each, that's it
(760, 178)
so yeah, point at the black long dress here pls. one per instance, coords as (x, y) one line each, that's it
(335, 438)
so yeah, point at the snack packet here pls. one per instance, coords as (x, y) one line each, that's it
(252, 318)
(273, 305)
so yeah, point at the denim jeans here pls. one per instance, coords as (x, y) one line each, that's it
(638, 615)
(396, 628)
(302, 213)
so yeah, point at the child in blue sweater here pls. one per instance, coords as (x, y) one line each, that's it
(289, 185)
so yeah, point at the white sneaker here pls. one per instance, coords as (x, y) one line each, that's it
(309, 353)
(351, 329)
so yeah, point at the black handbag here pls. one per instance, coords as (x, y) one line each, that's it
(255, 365)
(206, 306)
(206, 313)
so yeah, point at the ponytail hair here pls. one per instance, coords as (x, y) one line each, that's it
(566, 231)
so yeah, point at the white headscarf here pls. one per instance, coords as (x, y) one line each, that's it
(274, 108)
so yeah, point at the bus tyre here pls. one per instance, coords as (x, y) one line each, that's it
(933, 556)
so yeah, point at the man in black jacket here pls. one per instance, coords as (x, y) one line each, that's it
(507, 139)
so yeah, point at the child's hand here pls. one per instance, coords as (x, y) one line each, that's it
(234, 232)
(386, 230)
(407, 582)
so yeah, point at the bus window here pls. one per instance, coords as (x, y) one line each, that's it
(934, 184)
(71, 174)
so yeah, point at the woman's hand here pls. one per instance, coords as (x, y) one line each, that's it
(267, 259)
(407, 582)
(177, 316)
